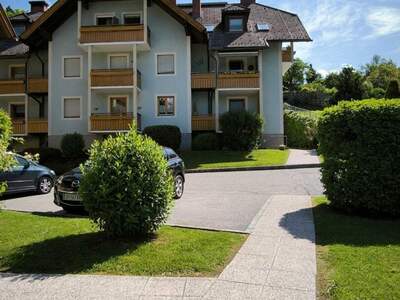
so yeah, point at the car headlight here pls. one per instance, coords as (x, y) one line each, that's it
(52, 173)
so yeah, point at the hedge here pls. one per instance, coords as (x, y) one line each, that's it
(205, 141)
(73, 145)
(300, 130)
(165, 135)
(360, 143)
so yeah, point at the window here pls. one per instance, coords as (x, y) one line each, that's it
(17, 110)
(132, 18)
(165, 105)
(118, 61)
(17, 72)
(72, 108)
(19, 28)
(236, 65)
(263, 26)
(22, 162)
(236, 105)
(210, 28)
(117, 104)
(235, 24)
(165, 64)
(72, 67)
(103, 20)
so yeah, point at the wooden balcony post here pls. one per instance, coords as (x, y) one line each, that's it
(134, 109)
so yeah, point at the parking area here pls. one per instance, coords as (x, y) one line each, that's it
(224, 201)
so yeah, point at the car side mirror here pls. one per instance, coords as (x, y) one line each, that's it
(26, 165)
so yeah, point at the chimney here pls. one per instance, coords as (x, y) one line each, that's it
(247, 2)
(173, 1)
(196, 9)
(38, 6)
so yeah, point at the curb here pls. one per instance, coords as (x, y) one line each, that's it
(282, 167)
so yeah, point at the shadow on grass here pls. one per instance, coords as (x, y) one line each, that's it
(194, 159)
(334, 227)
(69, 254)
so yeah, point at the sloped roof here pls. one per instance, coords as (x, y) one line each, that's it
(284, 26)
(6, 29)
(12, 48)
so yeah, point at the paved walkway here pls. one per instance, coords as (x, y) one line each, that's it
(302, 157)
(276, 262)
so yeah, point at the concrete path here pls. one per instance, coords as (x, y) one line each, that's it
(302, 157)
(276, 262)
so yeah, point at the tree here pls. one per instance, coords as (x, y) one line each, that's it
(393, 91)
(331, 80)
(349, 84)
(294, 77)
(312, 75)
(13, 12)
(6, 160)
(381, 71)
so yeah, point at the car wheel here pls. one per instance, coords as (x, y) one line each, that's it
(179, 185)
(45, 185)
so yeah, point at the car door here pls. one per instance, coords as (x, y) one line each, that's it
(20, 177)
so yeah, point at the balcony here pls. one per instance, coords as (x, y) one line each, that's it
(11, 86)
(34, 126)
(114, 78)
(37, 85)
(111, 34)
(203, 123)
(108, 122)
(226, 80)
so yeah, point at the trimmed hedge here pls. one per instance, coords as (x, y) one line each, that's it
(205, 141)
(360, 143)
(73, 145)
(241, 130)
(301, 130)
(165, 135)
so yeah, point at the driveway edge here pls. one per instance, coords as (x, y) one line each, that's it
(265, 168)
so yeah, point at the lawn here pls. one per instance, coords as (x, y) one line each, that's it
(358, 258)
(229, 159)
(41, 244)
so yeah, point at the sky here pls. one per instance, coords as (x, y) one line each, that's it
(344, 32)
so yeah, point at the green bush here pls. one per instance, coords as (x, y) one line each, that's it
(72, 145)
(300, 130)
(45, 154)
(205, 141)
(6, 160)
(393, 90)
(360, 143)
(165, 135)
(126, 186)
(241, 130)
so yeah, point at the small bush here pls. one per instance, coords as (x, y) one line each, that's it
(393, 90)
(5, 138)
(205, 141)
(126, 186)
(300, 130)
(72, 145)
(241, 130)
(360, 144)
(165, 135)
(45, 154)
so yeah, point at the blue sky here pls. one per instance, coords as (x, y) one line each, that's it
(345, 32)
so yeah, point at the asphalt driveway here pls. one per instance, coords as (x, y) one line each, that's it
(225, 200)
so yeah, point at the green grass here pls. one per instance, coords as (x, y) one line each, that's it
(358, 258)
(229, 159)
(39, 244)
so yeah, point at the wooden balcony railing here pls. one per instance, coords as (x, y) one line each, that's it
(37, 85)
(225, 80)
(203, 81)
(111, 33)
(203, 123)
(34, 126)
(18, 126)
(114, 77)
(113, 122)
(12, 86)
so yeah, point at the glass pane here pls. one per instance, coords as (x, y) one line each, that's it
(17, 72)
(165, 64)
(104, 20)
(166, 105)
(118, 105)
(132, 19)
(236, 24)
(72, 67)
(72, 108)
(236, 65)
(236, 105)
(17, 111)
(118, 62)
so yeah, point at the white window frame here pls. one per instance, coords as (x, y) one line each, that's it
(156, 63)
(16, 103)
(156, 104)
(14, 65)
(80, 108)
(236, 18)
(117, 54)
(117, 96)
(103, 15)
(63, 64)
(139, 13)
(245, 98)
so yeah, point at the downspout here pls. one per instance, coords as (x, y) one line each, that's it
(216, 79)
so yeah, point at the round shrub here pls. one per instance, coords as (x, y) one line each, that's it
(241, 130)
(72, 145)
(165, 135)
(360, 144)
(300, 130)
(126, 186)
(205, 141)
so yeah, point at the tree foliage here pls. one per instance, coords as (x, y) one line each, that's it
(6, 160)
(13, 12)
(393, 90)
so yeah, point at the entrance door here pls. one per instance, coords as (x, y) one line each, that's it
(236, 105)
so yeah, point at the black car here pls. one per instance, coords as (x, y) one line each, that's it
(66, 187)
(27, 176)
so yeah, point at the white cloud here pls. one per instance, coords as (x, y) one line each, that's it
(383, 21)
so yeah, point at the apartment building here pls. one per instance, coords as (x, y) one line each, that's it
(96, 67)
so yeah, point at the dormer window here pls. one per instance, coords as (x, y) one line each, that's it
(263, 27)
(235, 24)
